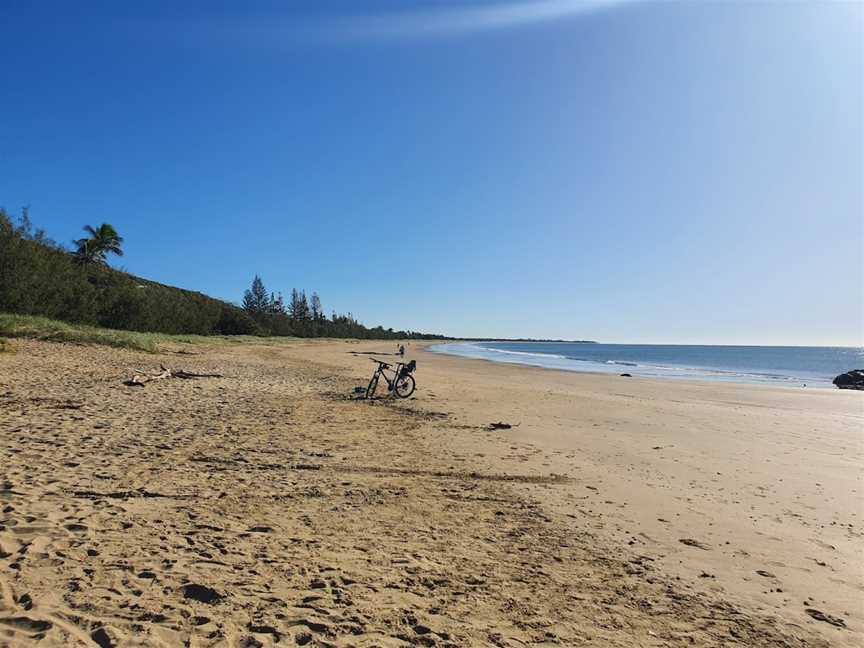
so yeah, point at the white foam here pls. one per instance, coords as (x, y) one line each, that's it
(563, 363)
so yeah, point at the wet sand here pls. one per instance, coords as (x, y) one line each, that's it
(267, 507)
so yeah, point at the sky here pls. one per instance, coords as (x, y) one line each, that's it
(634, 172)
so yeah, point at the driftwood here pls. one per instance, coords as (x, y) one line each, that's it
(502, 426)
(141, 378)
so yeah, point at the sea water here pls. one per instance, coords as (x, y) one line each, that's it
(789, 366)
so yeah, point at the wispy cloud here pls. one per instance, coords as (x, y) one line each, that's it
(439, 20)
(460, 19)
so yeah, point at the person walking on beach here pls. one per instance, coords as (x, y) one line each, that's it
(402, 350)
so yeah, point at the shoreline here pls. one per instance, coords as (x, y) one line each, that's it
(804, 383)
(652, 379)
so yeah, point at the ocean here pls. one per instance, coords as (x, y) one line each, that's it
(786, 366)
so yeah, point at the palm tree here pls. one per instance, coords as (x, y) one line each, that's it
(102, 241)
(85, 252)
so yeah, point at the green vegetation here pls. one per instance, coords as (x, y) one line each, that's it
(42, 328)
(39, 277)
(102, 242)
(304, 317)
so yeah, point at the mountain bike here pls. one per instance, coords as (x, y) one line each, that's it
(401, 383)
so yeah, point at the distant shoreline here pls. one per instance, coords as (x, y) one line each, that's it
(810, 367)
(539, 340)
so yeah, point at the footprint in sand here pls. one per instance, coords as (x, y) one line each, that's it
(76, 528)
(33, 627)
(201, 593)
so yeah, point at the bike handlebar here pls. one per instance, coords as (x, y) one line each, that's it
(380, 363)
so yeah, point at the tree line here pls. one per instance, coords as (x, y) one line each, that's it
(304, 316)
(38, 276)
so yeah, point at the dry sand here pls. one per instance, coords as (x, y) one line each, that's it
(266, 507)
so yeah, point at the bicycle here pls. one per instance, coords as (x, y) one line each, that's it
(402, 383)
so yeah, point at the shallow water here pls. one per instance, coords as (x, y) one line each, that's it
(788, 366)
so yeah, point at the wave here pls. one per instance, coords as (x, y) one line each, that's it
(709, 371)
(613, 366)
(525, 353)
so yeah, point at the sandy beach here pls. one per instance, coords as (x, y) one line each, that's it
(268, 507)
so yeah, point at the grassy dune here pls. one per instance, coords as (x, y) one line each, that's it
(42, 328)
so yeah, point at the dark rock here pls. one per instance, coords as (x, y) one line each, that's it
(626, 375)
(850, 380)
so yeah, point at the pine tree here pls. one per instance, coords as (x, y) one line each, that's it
(255, 300)
(277, 304)
(304, 306)
(294, 306)
(317, 311)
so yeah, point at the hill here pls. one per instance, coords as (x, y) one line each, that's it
(40, 277)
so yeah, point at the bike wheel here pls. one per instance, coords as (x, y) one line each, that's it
(373, 384)
(404, 386)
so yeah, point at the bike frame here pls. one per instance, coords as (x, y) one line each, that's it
(381, 371)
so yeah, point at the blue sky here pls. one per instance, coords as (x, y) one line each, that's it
(620, 171)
